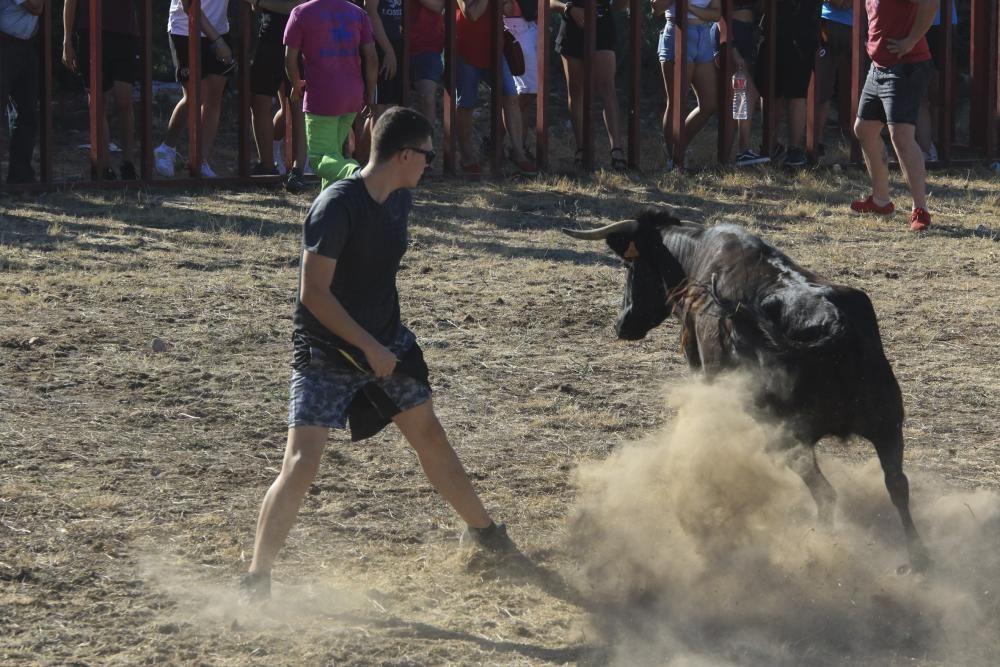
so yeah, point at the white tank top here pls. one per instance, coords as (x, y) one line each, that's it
(216, 11)
(691, 3)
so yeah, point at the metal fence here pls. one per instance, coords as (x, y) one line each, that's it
(984, 81)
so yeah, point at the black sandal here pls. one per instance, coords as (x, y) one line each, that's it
(618, 163)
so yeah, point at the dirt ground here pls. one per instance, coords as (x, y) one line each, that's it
(131, 475)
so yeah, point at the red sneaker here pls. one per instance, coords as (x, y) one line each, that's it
(920, 219)
(869, 206)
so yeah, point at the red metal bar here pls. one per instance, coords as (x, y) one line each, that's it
(408, 10)
(451, 159)
(859, 37)
(541, 115)
(770, 115)
(194, 87)
(245, 21)
(635, 82)
(46, 140)
(589, 49)
(146, 58)
(979, 72)
(98, 142)
(727, 125)
(496, 90)
(678, 92)
(814, 132)
(992, 139)
(946, 85)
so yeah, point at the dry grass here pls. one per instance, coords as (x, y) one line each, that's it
(130, 479)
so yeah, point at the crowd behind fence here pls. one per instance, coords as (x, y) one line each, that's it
(982, 78)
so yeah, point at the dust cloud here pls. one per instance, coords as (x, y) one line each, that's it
(701, 549)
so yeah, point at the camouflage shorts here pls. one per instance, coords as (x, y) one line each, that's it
(321, 393)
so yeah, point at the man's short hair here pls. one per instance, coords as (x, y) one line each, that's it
(396, 129)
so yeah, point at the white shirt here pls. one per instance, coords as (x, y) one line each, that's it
(216, 11)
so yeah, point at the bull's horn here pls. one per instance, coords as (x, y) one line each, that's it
(602, 232)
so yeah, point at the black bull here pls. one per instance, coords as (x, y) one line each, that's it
(743, 304)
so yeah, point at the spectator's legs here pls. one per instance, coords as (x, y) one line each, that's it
(705, 80)
(263, 128)
(178, 118)
(512, 123)
(927, 118)
(278, 122)
(667, 70)
(604, 83)
(126, 118)
(526, 102)
(911, 161)
(212, 87)
(299, 147)
(20, 76)
(303, 453)
(326, 136)
(869, 134)
(463, 122)
(426, 101)
(573, 68)
(796, 116)
(745, 127)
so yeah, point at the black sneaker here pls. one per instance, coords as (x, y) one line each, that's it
(255, 588)
(295, 183)
(493, 539)
(795, 158)
(261, 169)
(107, 175)
(127, 171)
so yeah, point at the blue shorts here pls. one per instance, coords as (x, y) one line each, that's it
(426, 67)
(321, 392)
(700, 43)
(467, 82)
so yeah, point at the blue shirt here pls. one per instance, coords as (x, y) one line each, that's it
(844, 16)
(16, 21)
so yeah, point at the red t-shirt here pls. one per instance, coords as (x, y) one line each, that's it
(893, 19)
(475, 37)
(426, 30)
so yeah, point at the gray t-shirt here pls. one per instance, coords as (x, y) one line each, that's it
(368, 241)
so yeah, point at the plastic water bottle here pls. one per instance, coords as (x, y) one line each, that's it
(741, 106)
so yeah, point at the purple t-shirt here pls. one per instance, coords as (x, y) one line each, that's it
(329, 34)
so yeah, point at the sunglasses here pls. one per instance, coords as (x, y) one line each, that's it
(428, 154)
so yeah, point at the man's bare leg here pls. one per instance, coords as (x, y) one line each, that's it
(282, 501)
(869, 133)
(424, 433)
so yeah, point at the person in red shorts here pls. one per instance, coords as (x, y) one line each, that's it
(896, 84)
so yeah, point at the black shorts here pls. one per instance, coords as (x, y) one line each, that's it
(569, 41)
(894, 94)
(267, 71)
(119, 58)
(209, 63)
(795, 60)
(746, 37)
(390, 91)
(835, 49)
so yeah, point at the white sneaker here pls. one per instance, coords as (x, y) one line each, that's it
(206, 171)
(278, 155)
(308, 171)
(932, 154)
(164, 157)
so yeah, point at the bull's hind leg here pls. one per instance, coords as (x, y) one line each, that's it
(802, 459)
(890, 455)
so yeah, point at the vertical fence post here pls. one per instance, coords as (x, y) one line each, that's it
(98, 142)
(46, 138)
(635, 83)
(146, 60)
(859, 20)
(541, 99)
(814, 132)
(496, 90)
(946, 85)
(451, 159)
(979, 72)
(194, 88)
(678, 92)
(992, 76)
(770, 115)
(726, 123)
(409, 13)
(245, 22)
(589, 48)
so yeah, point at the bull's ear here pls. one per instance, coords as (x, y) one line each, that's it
(631, 252)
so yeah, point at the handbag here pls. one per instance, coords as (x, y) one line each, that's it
(513, 53)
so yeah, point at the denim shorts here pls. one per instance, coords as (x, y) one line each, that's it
(893, 94)
(322, 391)
(426, 67)
(700, 43)
(467, 82)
